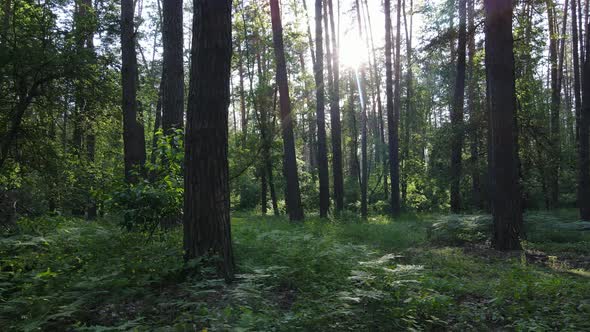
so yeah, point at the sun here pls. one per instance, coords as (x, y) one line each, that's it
(353, 52)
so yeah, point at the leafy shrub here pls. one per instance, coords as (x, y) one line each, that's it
(461, 229)
(158, 200)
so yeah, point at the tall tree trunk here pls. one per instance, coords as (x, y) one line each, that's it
(172, 67)
(321, 117)
(584, 150)
(506, 206)
(389, 88)
(336, 131)
(554, 162)
(361, 82)
(206, 184)
(383, 147)
(393, 110)
(409, 102)
(577, 87)
(457, 114)
(133, 134)
(243, 114)
(474, 114)
(293, 196)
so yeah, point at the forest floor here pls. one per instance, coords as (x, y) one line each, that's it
(425, 272)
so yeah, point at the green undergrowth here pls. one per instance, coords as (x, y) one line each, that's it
(341, 274)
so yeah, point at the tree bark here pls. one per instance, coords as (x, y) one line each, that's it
(584, 150)
(504, 178)
(133, 134)
(321, 117)
(336, 131)
(457, 114)
(293, 196)
(206, 184)
(172, 67)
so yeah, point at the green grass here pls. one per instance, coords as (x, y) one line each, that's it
(416, 272)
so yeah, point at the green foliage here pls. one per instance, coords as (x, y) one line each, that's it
(158, 201)
(342, 275)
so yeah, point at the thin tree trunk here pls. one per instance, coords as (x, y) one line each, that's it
(361, 82)
(394, 116)
(506, 206)
(293, 196)
(206, 184)
(457, 114)
(474, 114)
(383, 147)
(409, 101)
(577, 87)
(554, 162)
(336, 131)
(321, 118)
(584, 150)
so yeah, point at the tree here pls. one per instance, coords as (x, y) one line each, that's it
(576, 58)
(584, 149)
(457, 114)
(172, 67)
(335, 118)
(206, 183)
(506, 207)
(133, 134)
(364, 180)
(321, 117)
(389, 86)
(293, 196)
(393, 119)
(474, 114)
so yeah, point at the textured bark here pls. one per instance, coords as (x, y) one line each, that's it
(474, 114)
(206, 184)
(172, 67)
(293, 196)
(457, 113)
(584, 150)
(506, 207)
(320, 114)
(336, 131)
(133, 134)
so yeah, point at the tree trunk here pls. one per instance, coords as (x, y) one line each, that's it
(133, 134)
(206, 184)
(474, 114)
(584, 150)
(335, 118)
(293, 196)
(321, 117)
(409, 102)
(393, 110)
(361, 82)
(457, 114)
(577, 87)
(555, 146)
(172, 67)
(506, 207)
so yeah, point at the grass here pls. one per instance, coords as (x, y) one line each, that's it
(414, 273)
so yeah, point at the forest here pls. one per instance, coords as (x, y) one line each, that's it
(294, 165)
